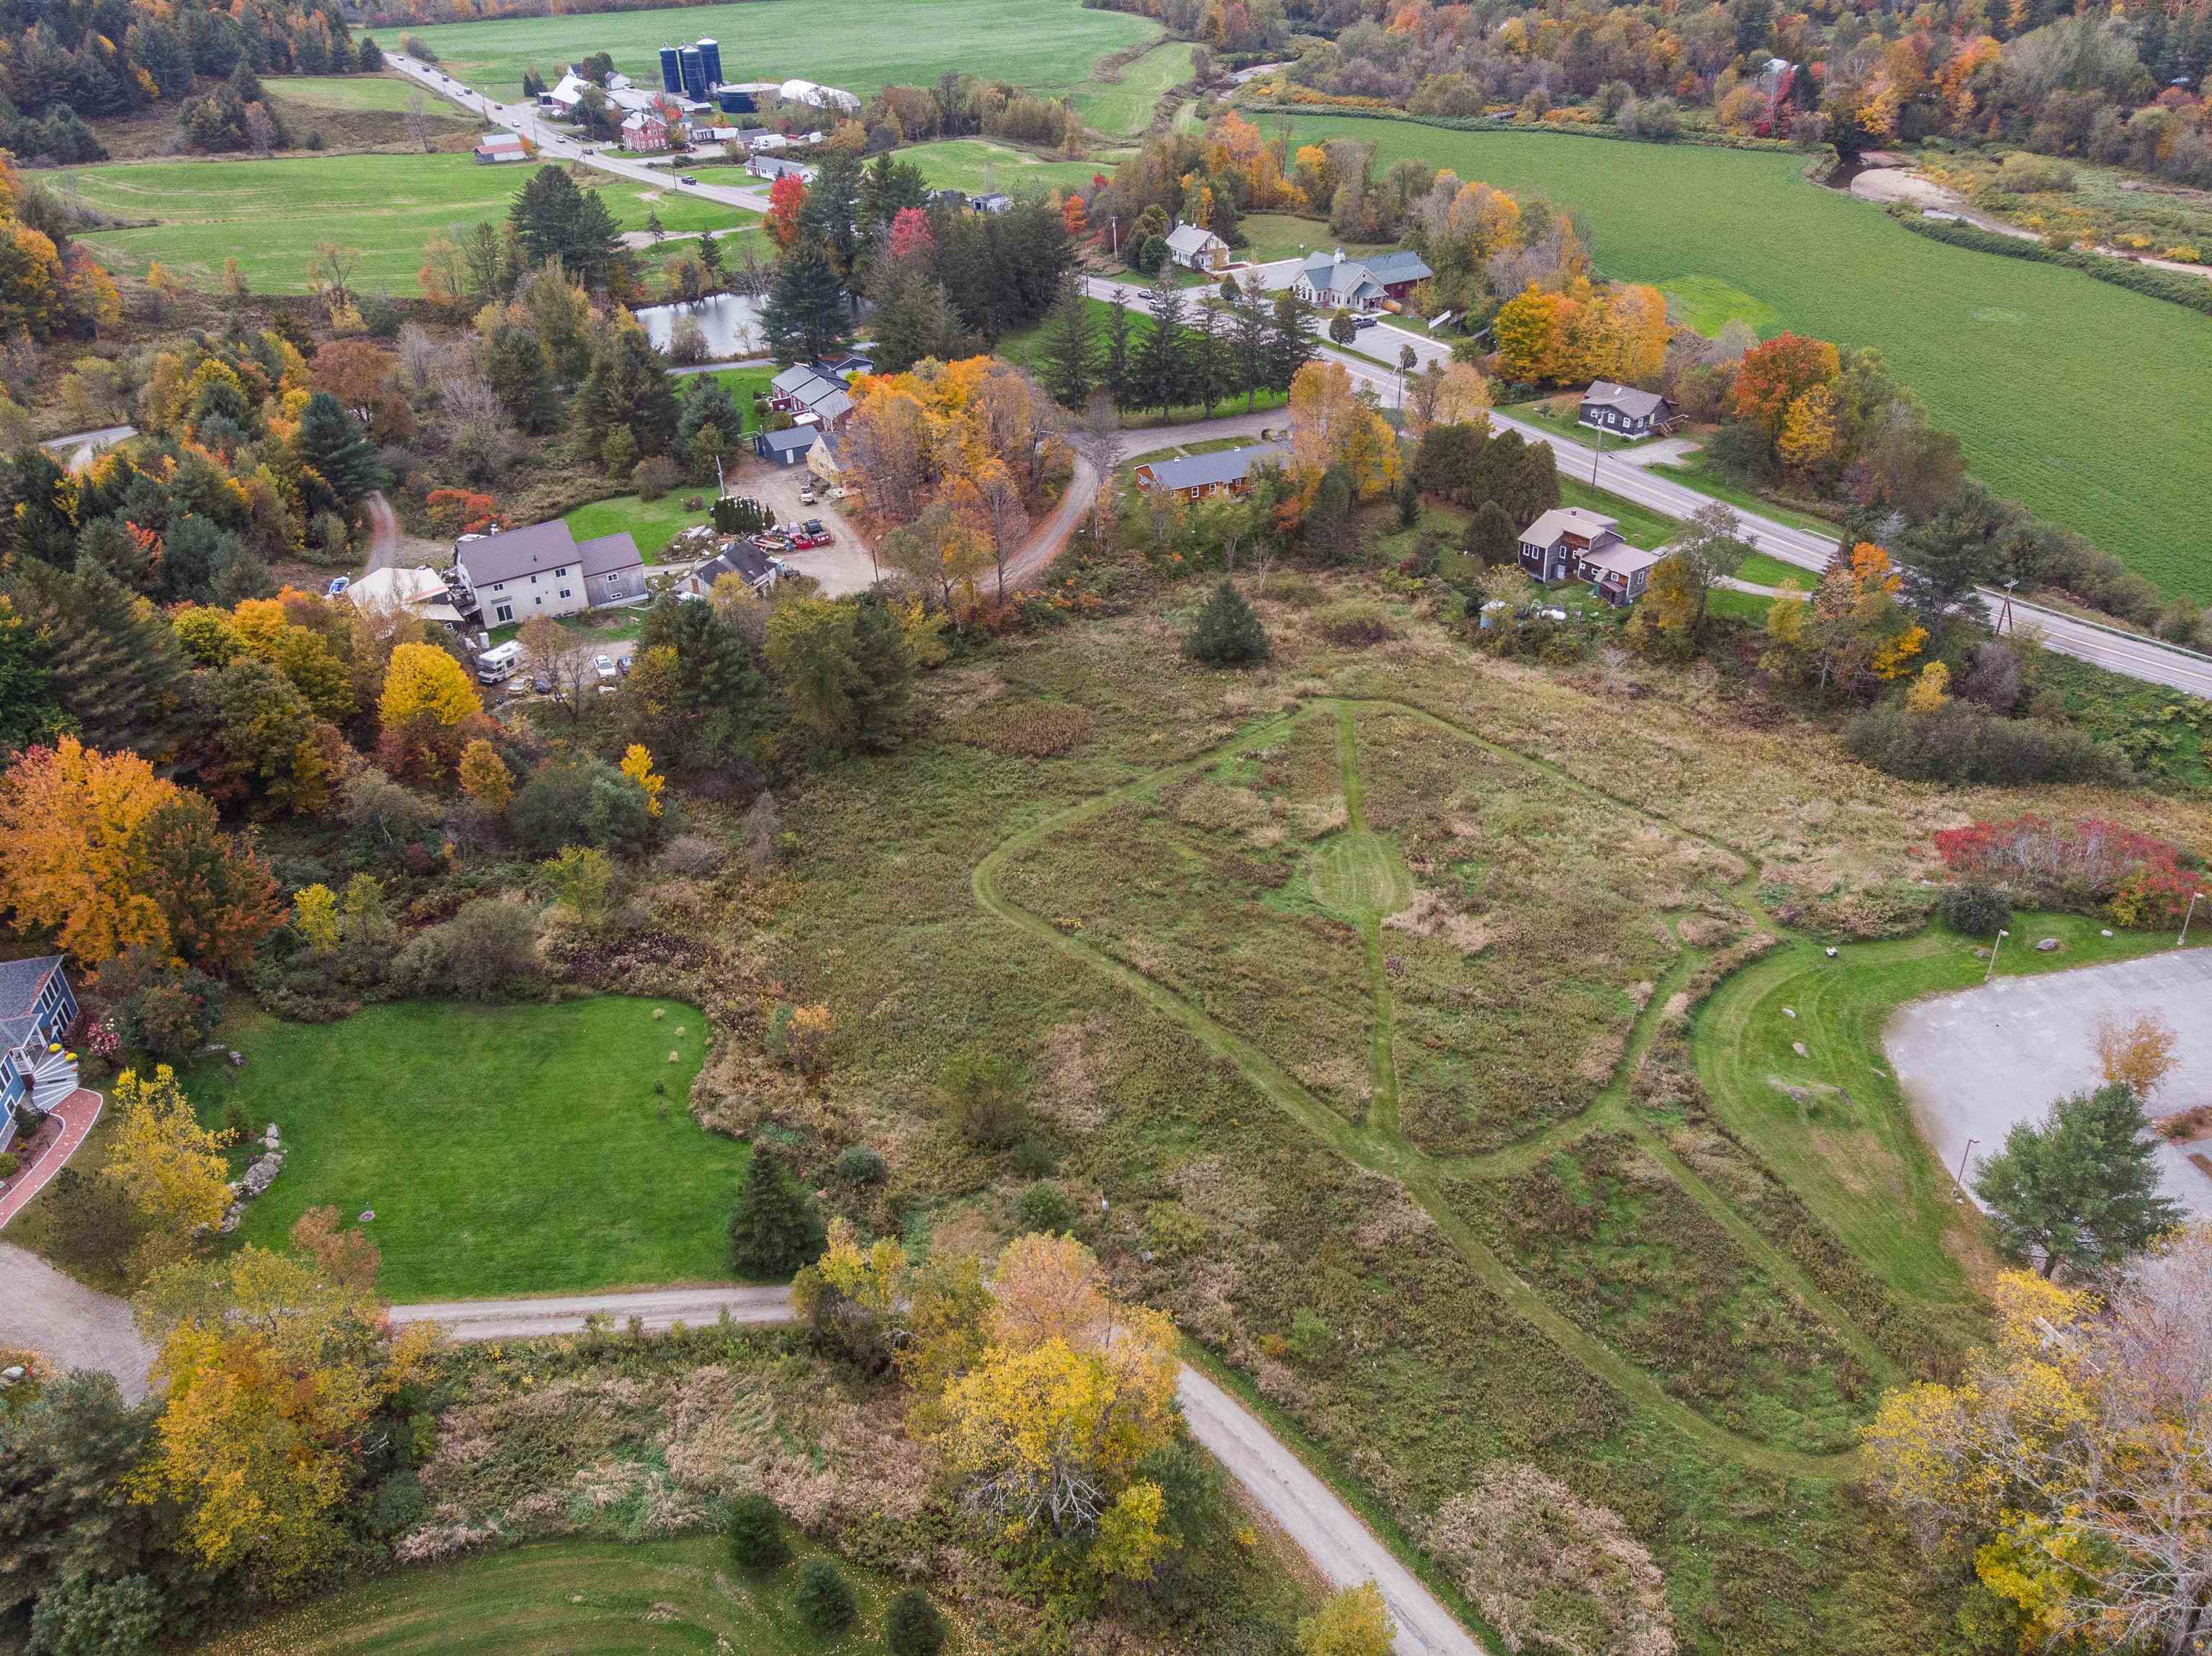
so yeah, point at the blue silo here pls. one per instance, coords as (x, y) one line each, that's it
(695, 73)
(710, 58)
(734, 102)
(671, 79)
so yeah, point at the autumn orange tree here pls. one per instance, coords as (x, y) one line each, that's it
(1332, 425)
(430, 711)
(1774, 375)
(1580, 332)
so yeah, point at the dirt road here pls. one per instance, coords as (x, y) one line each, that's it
(1342, 1547)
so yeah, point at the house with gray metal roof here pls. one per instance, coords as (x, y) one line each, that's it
(1337, 283)
(1194, 477)
(37, 1007)
(520, 572)
(1196, 248)
(614, 570)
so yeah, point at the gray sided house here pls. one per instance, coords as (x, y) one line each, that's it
(1625, 411)
(1194, 477)
(785, 448)
(742, 558)
(614, 570)
(1196, 248)
(1337, 283)
(1569, 543)
(37, 1007)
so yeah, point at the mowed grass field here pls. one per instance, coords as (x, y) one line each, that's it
(269, 215)
(354, 92)
(509, 1150)
(604, 1596)
(977, 165)
(1046, 45)
(2083, 401)
(1126, 104)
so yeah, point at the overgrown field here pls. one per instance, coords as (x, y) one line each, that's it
(1360, 987)
(517, 1149)
(1046, 45)
(2069, 394)
(270, 215)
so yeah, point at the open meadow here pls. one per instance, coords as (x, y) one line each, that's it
(860, 45)
(978, 166)
(269, 215)
(2070, 395)
(1363, 987)
(1122, 100)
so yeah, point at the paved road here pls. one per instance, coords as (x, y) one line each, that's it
(78, 1327)
(1975, 1063)
(553, 144)
(2136, 658)
(1342, 1547)
(75, 451)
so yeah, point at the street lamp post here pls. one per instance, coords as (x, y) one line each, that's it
(1959, 1177)
(2182, 940)
(1993, 947)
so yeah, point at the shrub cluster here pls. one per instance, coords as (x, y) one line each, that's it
(2135, 879)
(1959, 744)
(1355, 622)
(1975, 910)
(1029, 730)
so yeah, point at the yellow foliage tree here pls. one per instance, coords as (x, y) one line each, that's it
(72, 859)
(315, 912)
(171, 1167)
(270, 1371)
(1808, 429)
(1354, 1622)
(485, 778)
(421, 678)
(1930, 691)
(637, 765)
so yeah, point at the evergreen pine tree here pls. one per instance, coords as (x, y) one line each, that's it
(884, 676)
(1228, 633)
(913, 1627)
(774, 1230)
(710, 260)
(112, 664)
(1117, 372)
(755, 1532)
(805, 317)
(627, 389)
(1494, 538)
(824, 1599)
(333, 443)
(1290, 343)
(2081, 1188)
(1162, 362)
(1071, 350)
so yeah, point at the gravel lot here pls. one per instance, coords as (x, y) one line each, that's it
(1974, 1064)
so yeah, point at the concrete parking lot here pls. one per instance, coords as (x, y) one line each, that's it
(1975, 1063)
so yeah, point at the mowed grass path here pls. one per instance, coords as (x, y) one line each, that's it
(605, 1596)
(2086, 402)
(269, 215)
(507, 1150)
(862, 45)
(1127, 105)
(975, 164)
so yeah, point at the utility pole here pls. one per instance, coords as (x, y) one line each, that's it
(1993, 947)
(2004, 613)
(1595, 453)
(1959, 1177)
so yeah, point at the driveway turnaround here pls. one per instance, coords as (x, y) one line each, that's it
(77, 1326)
(1975, 1063)
(1342, 1547)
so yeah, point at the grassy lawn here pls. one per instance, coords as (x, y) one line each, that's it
(652, 524)
(2065, 392)
(1126, 104)
(1708, 305)
(1640, 525)
(862, 45)
(355, 91)
(605, 1596)
(271, 214)
(1285, 235)
(516, 1149)
(1761, 570)
(742, 383)
(1708, 480)
(978, 166)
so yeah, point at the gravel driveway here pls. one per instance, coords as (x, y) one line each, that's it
(78, 1327)
(1975, 1063)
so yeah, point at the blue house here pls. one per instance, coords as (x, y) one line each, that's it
(37, 1007)
(786, 447)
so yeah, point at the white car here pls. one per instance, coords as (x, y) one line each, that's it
(604, 667)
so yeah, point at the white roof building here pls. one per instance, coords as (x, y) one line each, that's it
(415, 591)
(812, 92)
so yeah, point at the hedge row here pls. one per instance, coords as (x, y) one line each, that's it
(2195, 291)
(1483, 123)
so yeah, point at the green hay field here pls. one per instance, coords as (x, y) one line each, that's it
(1126, 104)
(355, 92)
(2074, 397)
(269, 215)
(1046, 45)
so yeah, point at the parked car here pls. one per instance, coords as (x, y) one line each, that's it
(603, 666)
(804, 541)
(1364, 322)
(815, 526)
(806, 495)
(542, 684)
(338, 586)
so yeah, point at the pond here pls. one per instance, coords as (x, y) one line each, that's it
(730, 321)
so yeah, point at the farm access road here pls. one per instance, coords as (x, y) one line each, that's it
(2103, 647)
(1342, 1547)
